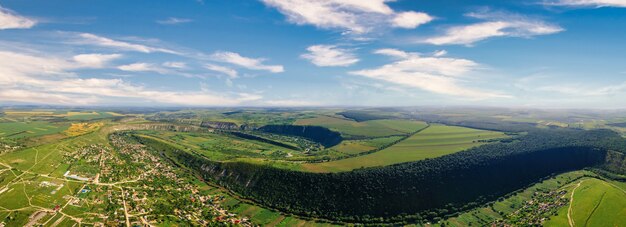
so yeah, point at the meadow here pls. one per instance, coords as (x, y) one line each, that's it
(595, 202)
(374, 128)
(434, 141)
(21, 129)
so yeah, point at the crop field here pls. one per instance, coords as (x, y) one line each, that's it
(374, 128)
(107, 171)
(223, 147)
(434, 141)
(595, 203)
(360, 146)
(17, 130)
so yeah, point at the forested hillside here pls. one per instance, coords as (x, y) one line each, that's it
(414, 191)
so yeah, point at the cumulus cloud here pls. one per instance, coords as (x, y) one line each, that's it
(30, 78)
(11, 20)
(410, 19)
(330, 55)
(434, 74)
(496, 25)
(95, 40)
(174, 20)
(351, 16)
(249, 63)
(587, 3)
(222, 69)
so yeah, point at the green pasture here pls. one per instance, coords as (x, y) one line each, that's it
(375, 128)
(434, 141)
(595, 203)
(21, 129)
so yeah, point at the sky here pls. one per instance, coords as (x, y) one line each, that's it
(283, 53)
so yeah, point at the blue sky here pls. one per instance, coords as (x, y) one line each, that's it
(545, 53)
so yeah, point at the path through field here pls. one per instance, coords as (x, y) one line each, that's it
(571, 201)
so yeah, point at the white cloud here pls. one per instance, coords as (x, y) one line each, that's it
(393, 52)
(330, 55)
(141, 67)
(434, 74)
(95, 60)
(150, 67)
(440, 53)
(582, 90)
(174, 20)
(91, 39)
(175, 65)
(410, 19)
(29, 78)
(352, 16)
(222, 69)
(497, 25)
(587, 3)
(11, 20)
(250, 63)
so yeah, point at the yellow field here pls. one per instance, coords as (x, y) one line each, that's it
(77, 129)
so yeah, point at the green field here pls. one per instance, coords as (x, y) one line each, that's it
(375, 128)
(486, 215)
(595, 203)
(360, 146)
(17, 130)
(216, 146)
(434, 141)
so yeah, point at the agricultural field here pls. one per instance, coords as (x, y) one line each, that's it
(593, 202)
(83, 179)
(99, 167)
(21, 129)
(352, 147)
(434, 141)
(374, 128)
(217, 146)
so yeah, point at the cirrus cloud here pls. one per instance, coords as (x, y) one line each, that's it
(246, 62)
(11, 20)
(95, 40)
(30, 78)
(587, 3)
(496, 25)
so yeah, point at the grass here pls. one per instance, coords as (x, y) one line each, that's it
(375, 128)
(216, 146)
(596, 203)
(485, 215)
(18, 130)
(435, 141)
(360, 146)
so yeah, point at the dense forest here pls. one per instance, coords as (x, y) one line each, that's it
(359, 115)
(417, 191)
(317, 134)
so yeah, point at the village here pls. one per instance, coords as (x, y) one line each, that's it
(124, 184)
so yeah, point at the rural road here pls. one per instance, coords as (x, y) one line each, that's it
(571, 201)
